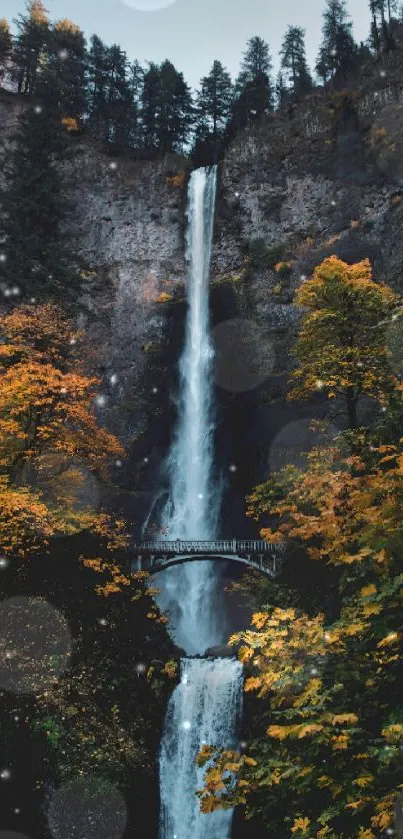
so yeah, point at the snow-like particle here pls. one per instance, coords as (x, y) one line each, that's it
(313, 671)
(102, 621)
(5, 774)
(118, 463)
(186, 725)
(7, 292)
(383, 73)
(113, 379)
(333, 203)
(155, 390)
(140, 668)
(146, 460)
(33, 300)
(100, 400)
(113, 165)
(303, 278)
(15, 291)
(63, 54)
(16, 719)
(236, 194)
(233, 468)
(73, 341)
(200, 495)
(2, 257)
(243, 744)
(38, 109)
(3, 562)
(17, 811)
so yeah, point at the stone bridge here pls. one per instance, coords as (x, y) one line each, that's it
(265, 557)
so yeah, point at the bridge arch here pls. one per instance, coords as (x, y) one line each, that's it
(158, 556)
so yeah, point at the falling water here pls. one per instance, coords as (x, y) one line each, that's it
(190, 592)
(204, 707)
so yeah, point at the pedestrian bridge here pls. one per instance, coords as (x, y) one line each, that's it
(265, 557)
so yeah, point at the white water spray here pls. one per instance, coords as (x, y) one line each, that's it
(189, 592)
(204, 707)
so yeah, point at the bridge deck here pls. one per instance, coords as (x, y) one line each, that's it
(157, 555)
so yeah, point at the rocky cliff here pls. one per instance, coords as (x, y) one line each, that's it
(325, 177)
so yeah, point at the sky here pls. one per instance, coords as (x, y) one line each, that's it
(193, 33)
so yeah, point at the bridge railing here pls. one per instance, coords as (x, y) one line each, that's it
(221, 546)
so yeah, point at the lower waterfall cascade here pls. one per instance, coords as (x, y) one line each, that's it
(205, 707)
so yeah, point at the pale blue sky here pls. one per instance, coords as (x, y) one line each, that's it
(192, 33)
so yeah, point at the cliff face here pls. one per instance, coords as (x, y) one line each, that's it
(326, 178)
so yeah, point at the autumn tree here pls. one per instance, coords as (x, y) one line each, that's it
(293, 60)
(52, 447)
(30, 44)
(327, 762)
(342, 347)
(5, 45)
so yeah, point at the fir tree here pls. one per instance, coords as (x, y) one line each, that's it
(338, 51)
(281, 89)
(213, 106)
(36, 260)
(293, 60)
(254, 93)
(97, 87)
(175, 111)
(149, 106)
(66, 68)
(30, 45)
(118, 108)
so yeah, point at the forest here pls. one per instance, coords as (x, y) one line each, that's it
(87, 664)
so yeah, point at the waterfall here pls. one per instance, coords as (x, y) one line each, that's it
(189, 592)
(203, 709)
(205, 705)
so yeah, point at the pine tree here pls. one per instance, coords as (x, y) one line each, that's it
(97, 87)
(167, 109)
(293, 59)
(338, 51)
(149, 106)
(66, 67)
(30, 45)
(118, 109)
(36, 256)
(253, 91)
(213, 105)
(5, 45)
(281, 90)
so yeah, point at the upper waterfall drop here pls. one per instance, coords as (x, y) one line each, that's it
(189, 593)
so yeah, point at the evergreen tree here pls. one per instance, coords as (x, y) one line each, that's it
(118, 109)
(136, 81)
(97, 87)
(254, 93)
(5, 45)
(66, 67)
(167, 110)
(36, 260)
(293, 59)
(30, 45)
(149, 106)
(213, 105)
(338, 51)
(281, 89)
(175, 110)
(382, 24)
